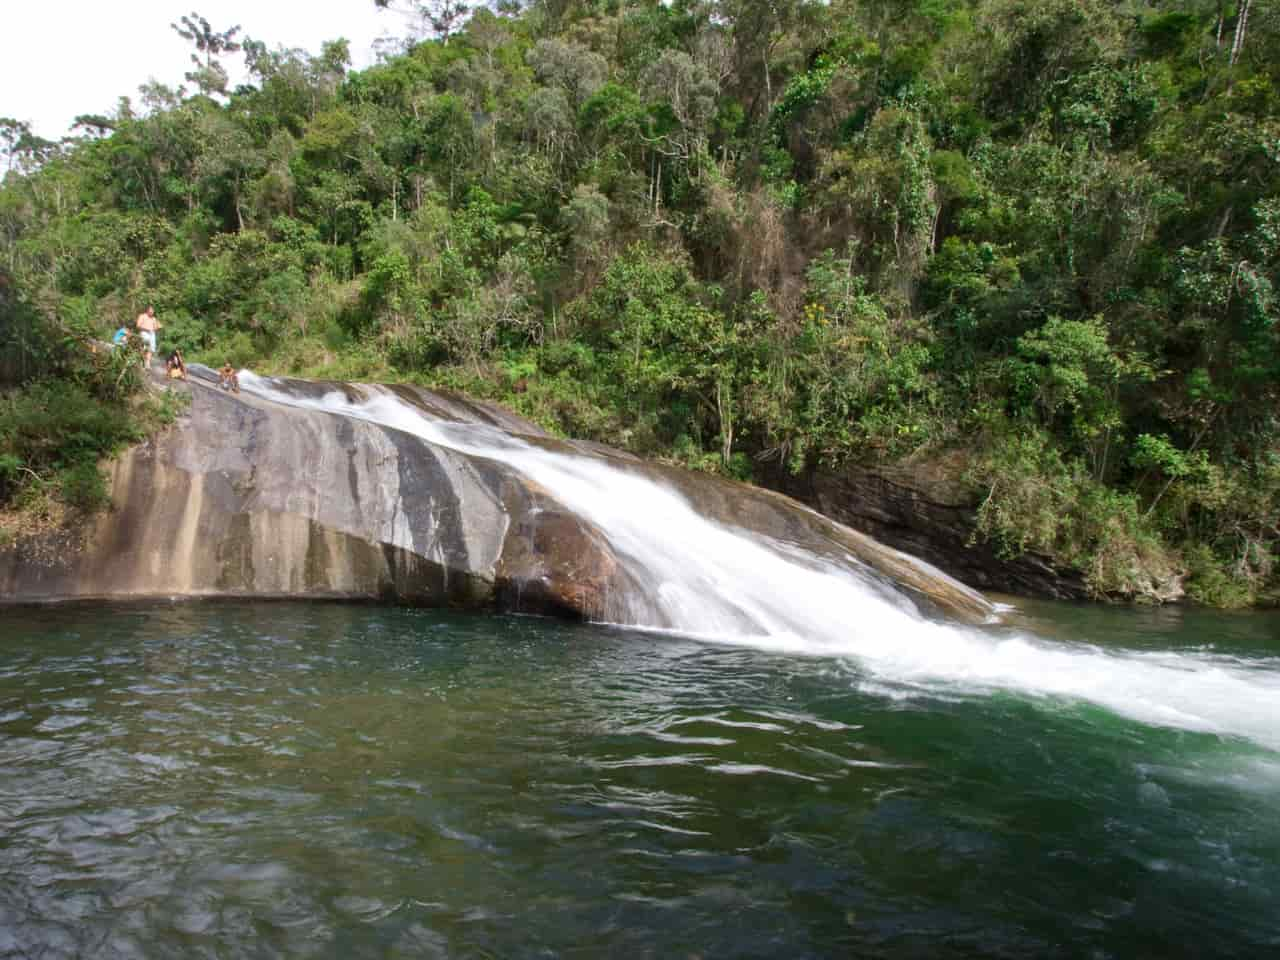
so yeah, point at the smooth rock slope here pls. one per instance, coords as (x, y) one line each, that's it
(249, 497)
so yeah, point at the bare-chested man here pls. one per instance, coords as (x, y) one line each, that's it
(147, 325)
(228, 379)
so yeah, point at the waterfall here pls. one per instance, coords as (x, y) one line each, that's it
(723, 585)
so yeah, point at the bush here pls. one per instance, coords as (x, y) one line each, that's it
(1210, 581)
(1038, 501)
(238, 349)
(56, 424)
(11, 470)
(77, 406)
(84, 487)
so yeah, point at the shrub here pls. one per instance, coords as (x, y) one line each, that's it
(1210, 580)
(84, 487)
(1040, 501)
(77, 407)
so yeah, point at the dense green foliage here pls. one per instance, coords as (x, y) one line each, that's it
(1039, 236)
(65, 403)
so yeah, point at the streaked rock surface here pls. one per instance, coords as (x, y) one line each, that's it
(246, 497)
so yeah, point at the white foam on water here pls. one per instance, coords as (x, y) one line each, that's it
(717, 584)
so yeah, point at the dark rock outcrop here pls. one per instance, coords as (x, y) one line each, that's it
(918, 509)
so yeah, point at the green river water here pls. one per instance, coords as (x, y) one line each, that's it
(281, 779)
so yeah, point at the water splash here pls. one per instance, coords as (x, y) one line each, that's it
(717, 584)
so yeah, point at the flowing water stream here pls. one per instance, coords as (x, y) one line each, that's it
(806, 765)
(717, 584)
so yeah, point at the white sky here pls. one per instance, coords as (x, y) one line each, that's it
(62, 58)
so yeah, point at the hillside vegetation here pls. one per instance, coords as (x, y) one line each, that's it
(1039, 237)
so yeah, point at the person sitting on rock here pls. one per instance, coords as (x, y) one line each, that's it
(174, 367)
(228, 379)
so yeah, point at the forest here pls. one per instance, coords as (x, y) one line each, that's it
(1033, 243)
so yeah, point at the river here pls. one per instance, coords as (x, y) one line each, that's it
(292, 779)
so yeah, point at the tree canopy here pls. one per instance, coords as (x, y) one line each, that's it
(1035, 239)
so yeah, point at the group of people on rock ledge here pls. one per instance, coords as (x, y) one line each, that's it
(146, 327)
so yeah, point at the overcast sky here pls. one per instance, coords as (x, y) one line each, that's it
(62, 58)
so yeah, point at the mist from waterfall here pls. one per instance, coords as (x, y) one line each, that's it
(721, 585)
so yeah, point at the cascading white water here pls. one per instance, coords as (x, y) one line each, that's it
(720, 585)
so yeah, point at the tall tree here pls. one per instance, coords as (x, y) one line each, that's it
(443, 18)
(21, 148)
(209, 76)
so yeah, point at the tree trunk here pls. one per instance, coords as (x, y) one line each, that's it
(725, 410)
(1222, 223)
(768, 83)
(1242, 24)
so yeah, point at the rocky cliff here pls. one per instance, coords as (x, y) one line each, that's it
(919, 508)
(249, 496)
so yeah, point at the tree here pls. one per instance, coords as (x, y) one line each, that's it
(1055, 225)
(209, 76)
(21, 148)
(758, 27)
(687, 95)
(443, 17)
(575, 69)
(227, 161)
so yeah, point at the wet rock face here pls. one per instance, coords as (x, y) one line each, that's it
(244, 497)
(556, 564)
(916, 509)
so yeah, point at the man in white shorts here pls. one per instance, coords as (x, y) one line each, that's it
(147, 325)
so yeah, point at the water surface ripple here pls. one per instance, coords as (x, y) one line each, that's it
(313, 780)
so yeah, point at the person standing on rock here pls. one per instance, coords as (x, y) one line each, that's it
(147, 325)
